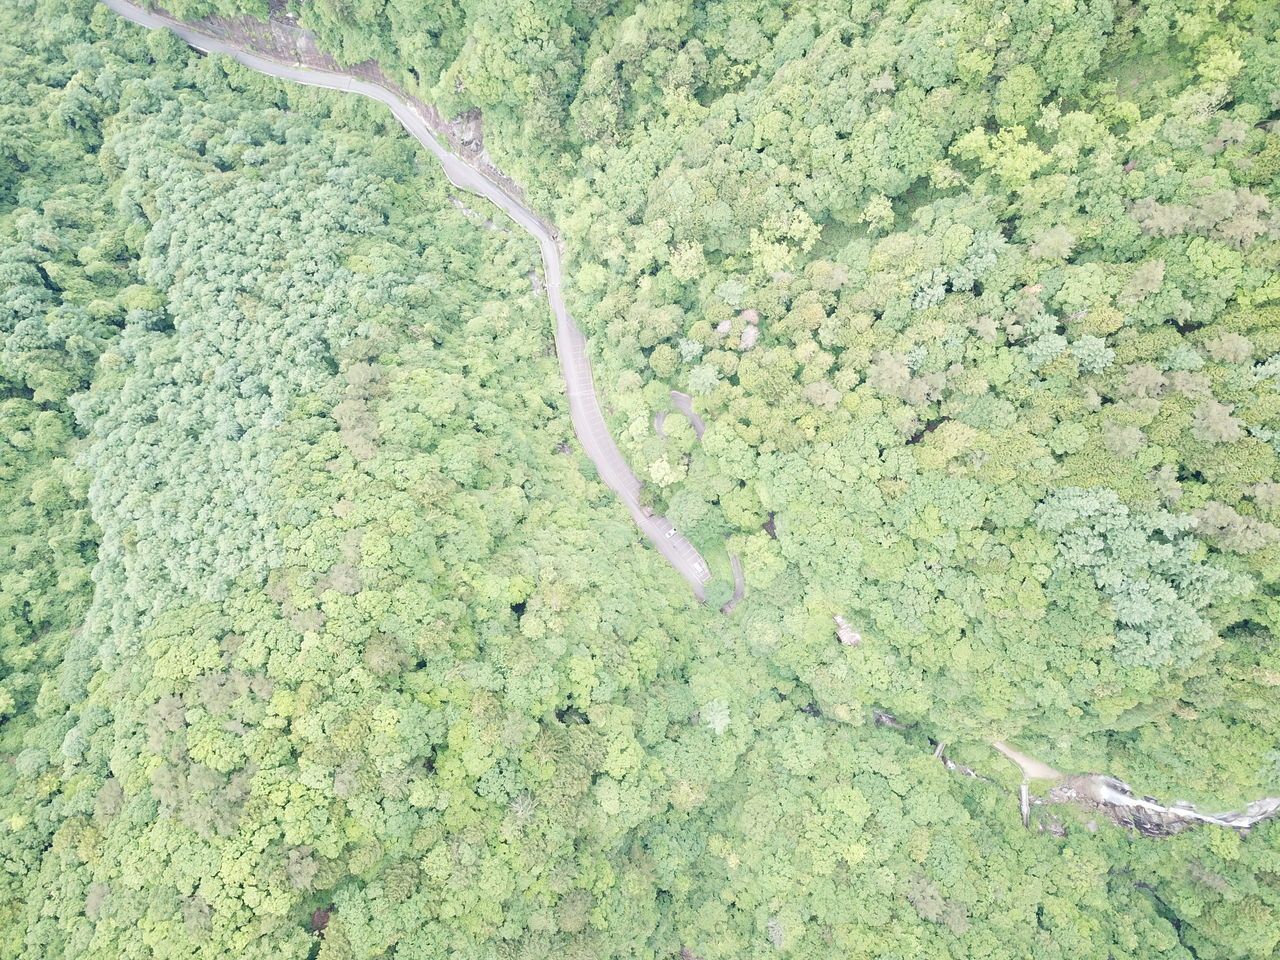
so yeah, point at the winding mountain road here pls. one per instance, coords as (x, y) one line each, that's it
(584, 405)
(571, 345)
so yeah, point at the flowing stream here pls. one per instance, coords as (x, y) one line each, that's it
(1117, 800)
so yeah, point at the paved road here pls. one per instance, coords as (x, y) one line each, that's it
(571, 346)
(684, 403)
(739, 585)
(588, 422)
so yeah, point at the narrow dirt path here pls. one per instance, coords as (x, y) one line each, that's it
(1032, 769)
(571, 345)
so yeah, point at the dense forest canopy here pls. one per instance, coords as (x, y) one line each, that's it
(320, 636)
(923, 266)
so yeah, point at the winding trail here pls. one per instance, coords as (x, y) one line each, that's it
(571, 345)
(684, 403)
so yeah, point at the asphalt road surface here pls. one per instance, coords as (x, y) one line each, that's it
(571, 345)
(683, 403)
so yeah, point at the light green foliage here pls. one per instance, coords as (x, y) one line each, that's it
(1148, 568)
(1024, 280)
(315, 643)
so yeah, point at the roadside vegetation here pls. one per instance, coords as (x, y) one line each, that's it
(320, 637)
(981, 309)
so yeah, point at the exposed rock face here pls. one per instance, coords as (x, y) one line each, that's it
(468, 131)
(848, 636)
(1116, 800)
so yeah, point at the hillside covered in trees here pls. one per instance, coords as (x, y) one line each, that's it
(320, 636)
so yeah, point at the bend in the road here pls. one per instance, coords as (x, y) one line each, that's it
(575, 367)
